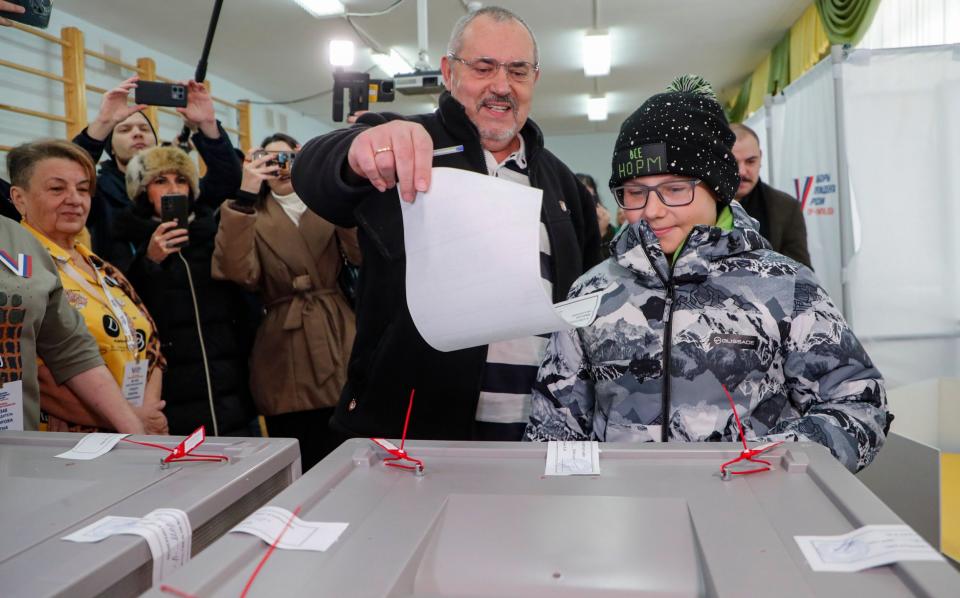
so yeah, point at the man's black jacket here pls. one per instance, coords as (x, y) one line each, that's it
(781, 221)
(389, 356)
(224, 172)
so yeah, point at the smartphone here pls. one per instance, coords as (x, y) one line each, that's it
(282, 160)
(176, 208)
(155, 93)
(36, 15)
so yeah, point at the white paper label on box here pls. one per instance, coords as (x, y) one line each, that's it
(869, 546)
(267, 523)
(167, 532)
(92, 446)
(573, 457)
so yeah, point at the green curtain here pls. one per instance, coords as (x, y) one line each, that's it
(846, 21)
(779, 66)
(735, 113)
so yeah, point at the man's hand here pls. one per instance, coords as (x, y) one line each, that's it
(114, 109)
(10, 7)
(199, 112)
(398, 152)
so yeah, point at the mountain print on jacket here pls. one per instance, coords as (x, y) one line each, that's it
(738, 315)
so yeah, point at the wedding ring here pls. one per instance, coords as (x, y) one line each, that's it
(382, 149)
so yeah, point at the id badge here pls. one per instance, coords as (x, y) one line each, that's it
(135, 381)
(11, 406)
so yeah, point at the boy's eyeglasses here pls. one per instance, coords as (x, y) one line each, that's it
(674, 194)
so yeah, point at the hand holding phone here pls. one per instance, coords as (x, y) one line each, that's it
(175, 208)
(35, 13)
(172, 234)
(155, 93)
(282, 161)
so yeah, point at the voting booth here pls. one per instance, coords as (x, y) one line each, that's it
(483, 519)
(918, 471)
(43, 498)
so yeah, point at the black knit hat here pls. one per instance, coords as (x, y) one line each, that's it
(682, 131)
(108, 142)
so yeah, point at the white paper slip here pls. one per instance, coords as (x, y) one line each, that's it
(869, 546)
(92, 446)
(167, 532)
(104, 528)
(267, 523)
(472, 245)
(573, 457)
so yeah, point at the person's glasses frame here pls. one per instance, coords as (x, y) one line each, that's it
(518, 71)
(670, 199)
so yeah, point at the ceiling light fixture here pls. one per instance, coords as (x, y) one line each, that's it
(596, 53)
(341, 52)
(597, 107)
(322, 8)
(392, 64)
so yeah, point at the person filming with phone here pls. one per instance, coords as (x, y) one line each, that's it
(202, 321)
(269, 242)
(122, 130)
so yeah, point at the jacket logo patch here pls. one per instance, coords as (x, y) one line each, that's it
(737, 341)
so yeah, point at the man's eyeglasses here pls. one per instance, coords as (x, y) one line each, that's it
(518, 71)
(672, 193)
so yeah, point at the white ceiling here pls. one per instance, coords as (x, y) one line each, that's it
(276, 49)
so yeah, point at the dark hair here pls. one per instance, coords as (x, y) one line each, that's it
(588, 181)
(590, 184)
(23, 159)
(282, 138)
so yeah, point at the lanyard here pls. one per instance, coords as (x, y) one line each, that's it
(119, 315)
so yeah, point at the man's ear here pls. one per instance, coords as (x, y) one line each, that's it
(447, 70)
(18, 196)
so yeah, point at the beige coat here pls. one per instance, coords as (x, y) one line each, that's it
(299, 359)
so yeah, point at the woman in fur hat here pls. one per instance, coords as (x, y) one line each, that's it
(697, 305)
(203, 322)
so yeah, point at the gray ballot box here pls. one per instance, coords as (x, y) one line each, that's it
(43, 498)
(483, 521)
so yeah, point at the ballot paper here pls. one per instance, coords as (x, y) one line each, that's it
(472, 246)
(869, 546)
(267, 523)
(92, 446)
(167, 532)
(573, 457)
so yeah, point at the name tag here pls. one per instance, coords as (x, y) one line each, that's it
(135, 382)
(11, 406)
